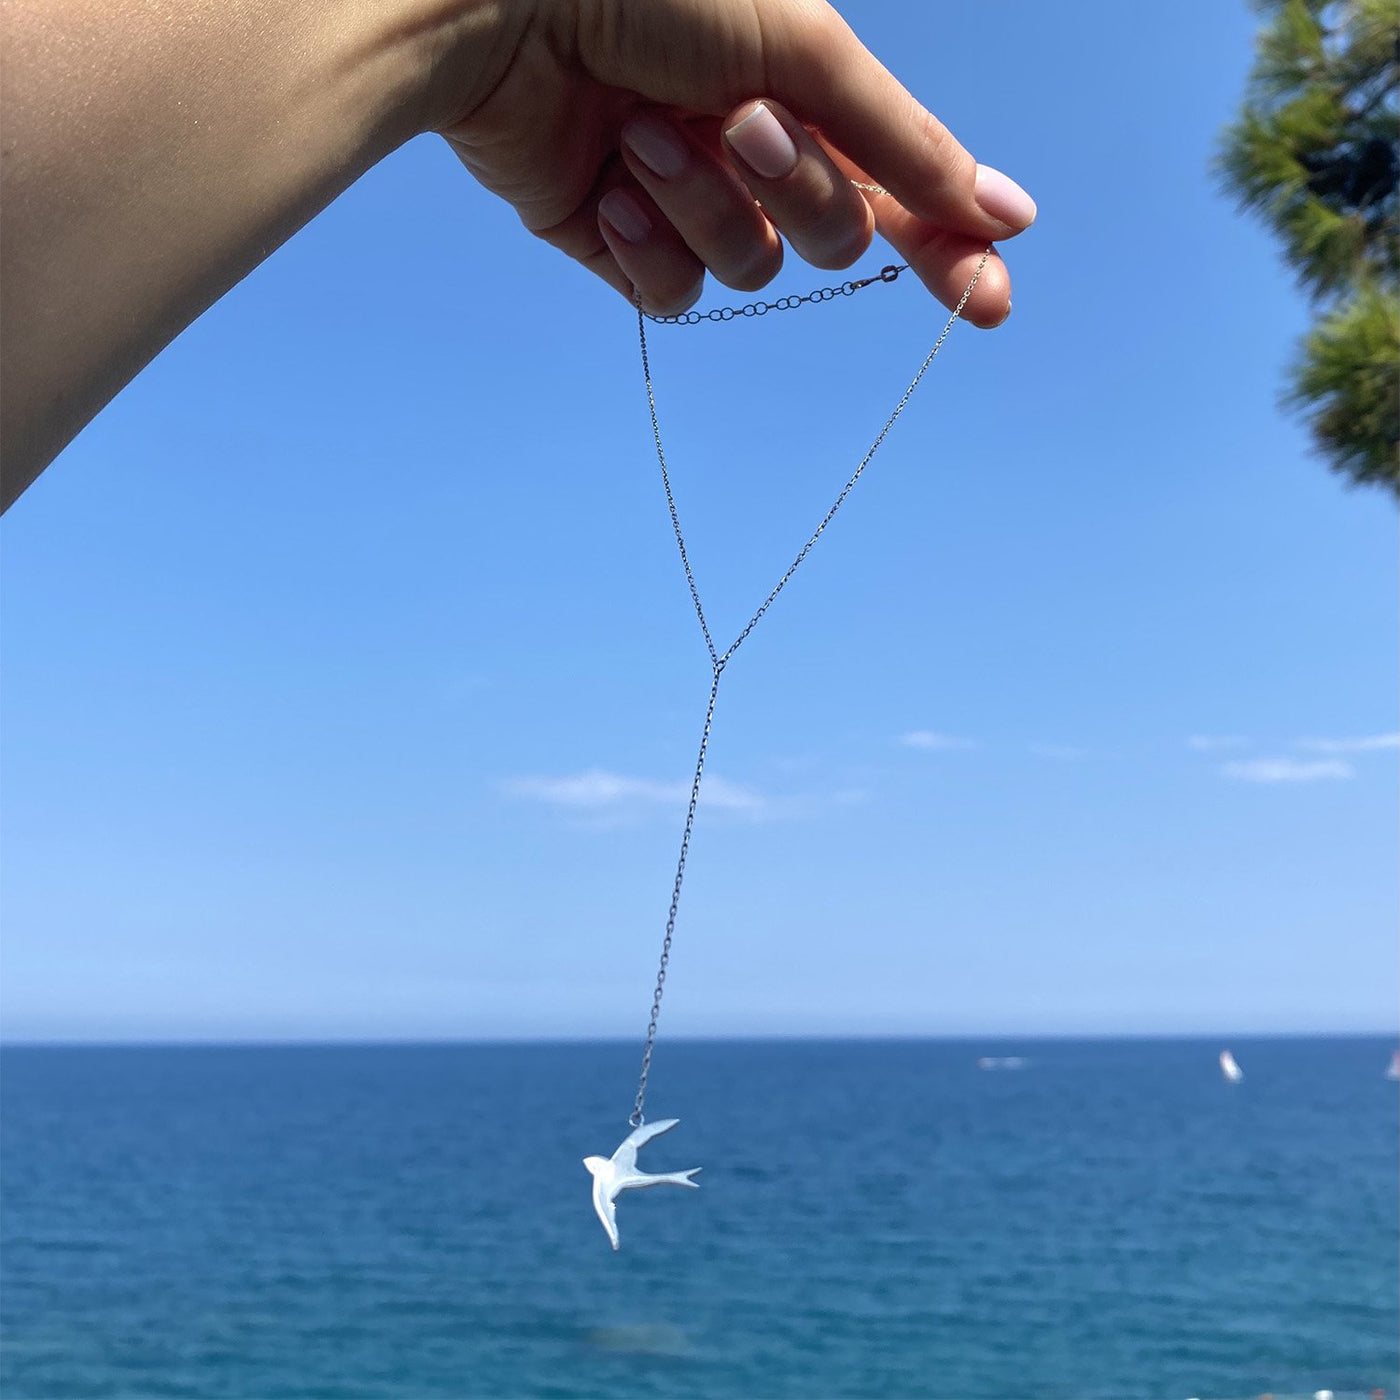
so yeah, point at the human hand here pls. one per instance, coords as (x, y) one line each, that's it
(156, 154)
(632, 137)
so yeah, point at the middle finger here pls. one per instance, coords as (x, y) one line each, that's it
(823, 216)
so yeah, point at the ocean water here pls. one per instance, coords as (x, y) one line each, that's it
(876, 1219)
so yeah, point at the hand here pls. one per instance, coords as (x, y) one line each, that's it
(631, 136)
(155, 154)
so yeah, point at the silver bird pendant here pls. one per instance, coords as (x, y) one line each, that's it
(618, 1173)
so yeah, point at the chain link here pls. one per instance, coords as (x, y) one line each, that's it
(718, 660)
(751, 309)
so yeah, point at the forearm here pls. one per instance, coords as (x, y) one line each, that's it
(154, 152)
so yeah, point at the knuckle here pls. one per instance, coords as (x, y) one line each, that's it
(672, 301)
(741, 251)
(748, 274)
(954, 167)
(835, 240)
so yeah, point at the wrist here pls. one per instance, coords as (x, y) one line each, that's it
(421, 65)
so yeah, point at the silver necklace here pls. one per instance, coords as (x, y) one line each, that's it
(612, 1176)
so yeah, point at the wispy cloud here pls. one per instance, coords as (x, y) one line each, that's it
(932, 741)
(1287, 770)
(597, 790)
(1210, 743)
(600, 799)
(1366, 743)
(1061, 753)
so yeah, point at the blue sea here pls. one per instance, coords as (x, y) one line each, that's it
(877, 1218)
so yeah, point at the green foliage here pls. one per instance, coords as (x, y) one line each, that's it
(1345, 381)
(1313, 153)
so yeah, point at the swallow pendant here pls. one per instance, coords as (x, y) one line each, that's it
(618, 1173)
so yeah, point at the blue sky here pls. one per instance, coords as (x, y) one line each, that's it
(351, 687)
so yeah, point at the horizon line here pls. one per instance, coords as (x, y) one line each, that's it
(411, 1042)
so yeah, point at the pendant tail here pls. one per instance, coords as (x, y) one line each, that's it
(681, 1178)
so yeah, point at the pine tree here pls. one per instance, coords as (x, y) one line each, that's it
(1313, 153)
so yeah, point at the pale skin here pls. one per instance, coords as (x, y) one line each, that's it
(155, 151)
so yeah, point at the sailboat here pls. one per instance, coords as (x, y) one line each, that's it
(1392, 1070)
(1232, 1072)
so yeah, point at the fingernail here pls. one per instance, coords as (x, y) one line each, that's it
(1002, 198)
(625, 215)
(763, 144)
(657, 147)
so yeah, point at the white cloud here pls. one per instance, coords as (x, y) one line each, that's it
(1366, 743)
(1063, 753)
(1287, 770)
(600, 791)
(1208, 743)
(732, 797)
(930, 740)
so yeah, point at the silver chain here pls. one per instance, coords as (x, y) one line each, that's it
(719, 660)
(751, 309)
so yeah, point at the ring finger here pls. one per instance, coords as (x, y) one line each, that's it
(702, 200)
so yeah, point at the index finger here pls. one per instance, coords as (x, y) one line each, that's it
(944, 261)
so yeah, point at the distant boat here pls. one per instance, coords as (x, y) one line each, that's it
(1392, 1070)
(1002, 1062)
(1232, 1072)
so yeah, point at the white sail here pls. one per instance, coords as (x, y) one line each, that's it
(1392, 1070)
(1232, 1072)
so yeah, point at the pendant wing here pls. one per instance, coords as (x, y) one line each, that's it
(626, 1156)
(606, 1208)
